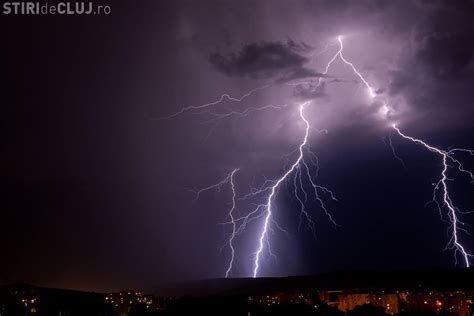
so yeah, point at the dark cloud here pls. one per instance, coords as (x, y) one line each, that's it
(310, 91)
(299, 47)
(299, 73)
(264, 60)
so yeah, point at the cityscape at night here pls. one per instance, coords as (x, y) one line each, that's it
(250, 157)
(435, 292)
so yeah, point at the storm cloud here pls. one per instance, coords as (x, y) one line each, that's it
(264, 60)
(310, 91)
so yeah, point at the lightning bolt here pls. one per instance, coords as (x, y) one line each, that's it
(205, 107)
(447, 202)
(273, 189)
(369, 88)
(447, 156)
(300, 169)
(231, 215)
(218, 186)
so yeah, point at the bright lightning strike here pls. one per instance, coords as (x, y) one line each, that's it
(369, 88)
(341, 56)
(274, 187)
(218, 186)
(300, 170)
(447, 202)
(456, 224)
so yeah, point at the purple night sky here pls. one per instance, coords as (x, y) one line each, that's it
(98, 189)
